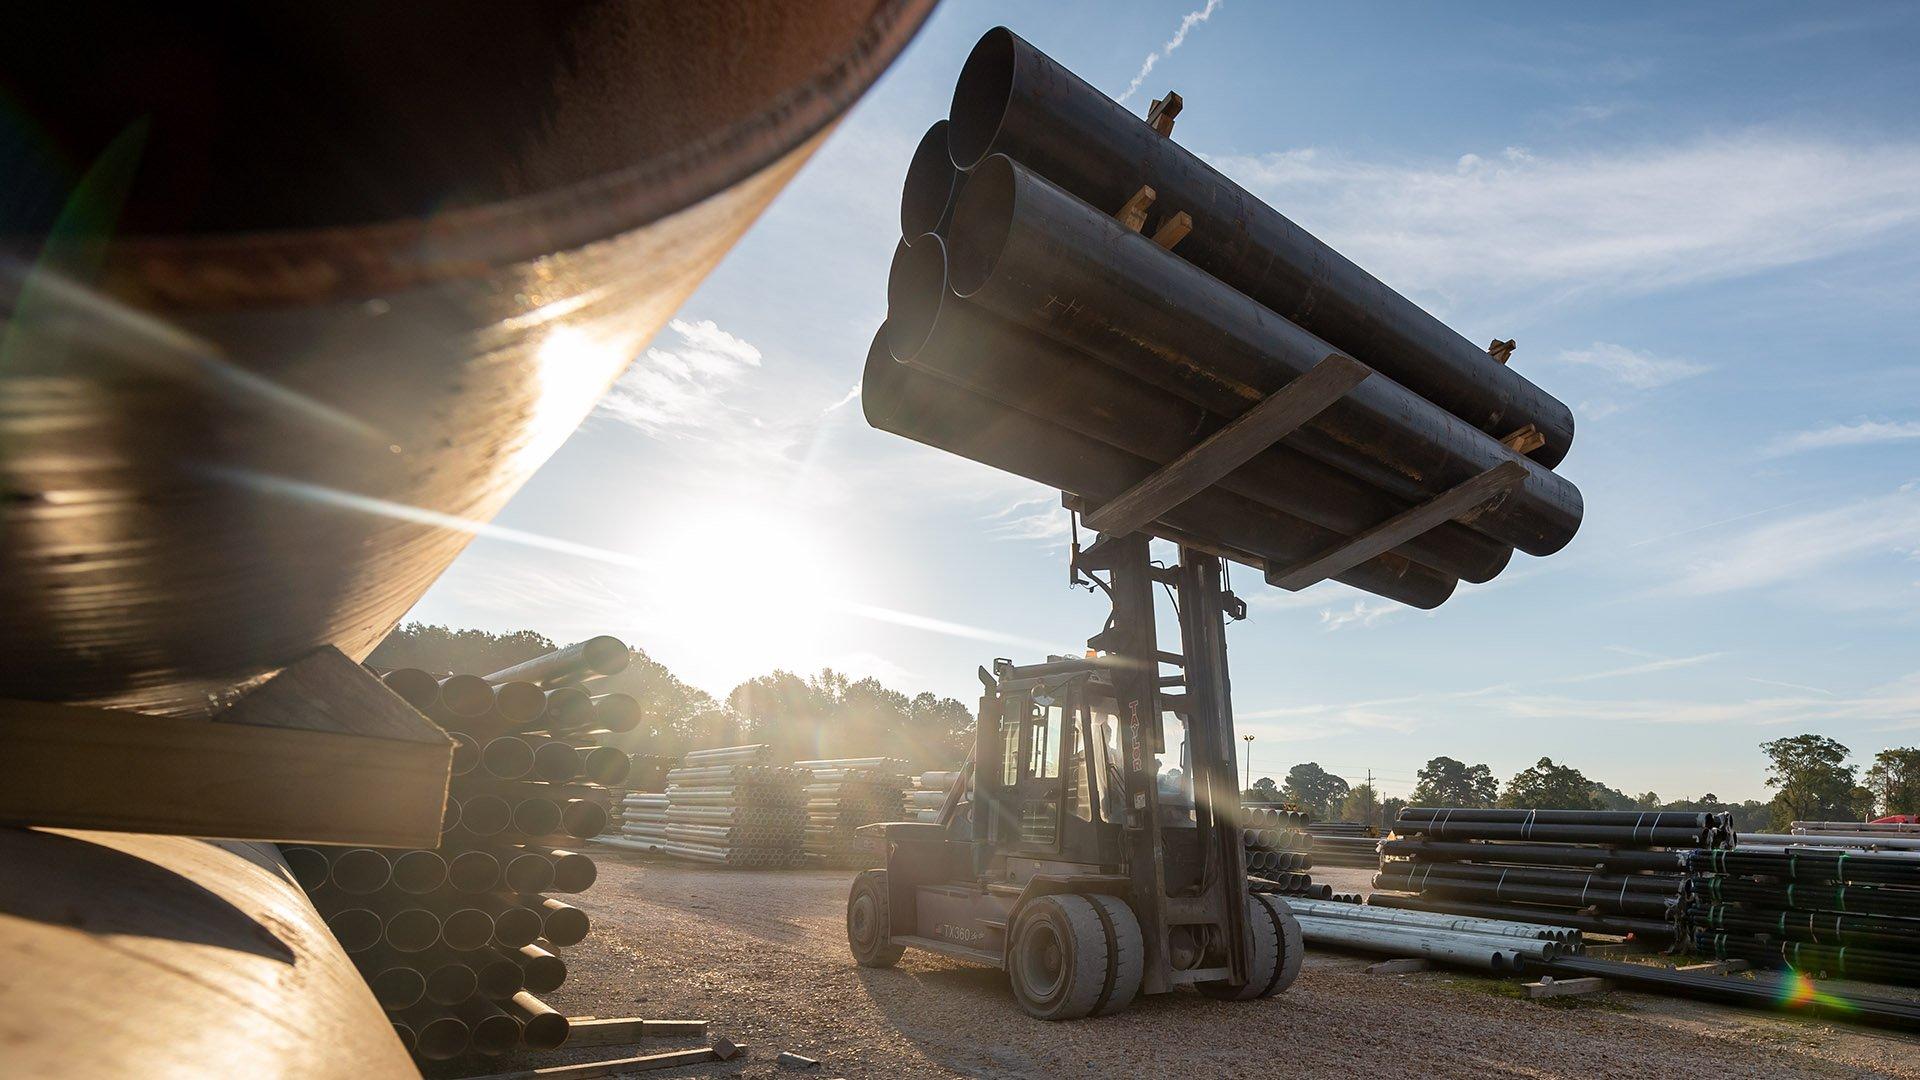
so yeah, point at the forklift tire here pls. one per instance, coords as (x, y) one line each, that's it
(868, 922)
(1057, 958)
(1263, 966)
(1293, 947)
(1126, 953)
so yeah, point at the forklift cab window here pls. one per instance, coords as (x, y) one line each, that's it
(1111, 778)
(1010, 726)
(1049, 727)
(1081, 770)
(1174, 768)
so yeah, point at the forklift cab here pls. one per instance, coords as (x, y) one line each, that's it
(1055, 791)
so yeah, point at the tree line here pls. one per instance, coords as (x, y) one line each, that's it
(825, 715)
(1809, 775)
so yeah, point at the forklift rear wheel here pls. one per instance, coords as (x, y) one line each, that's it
(868, 922)
(1057, 958)
(1126, 953)
(1293, 947)
(1263, 965)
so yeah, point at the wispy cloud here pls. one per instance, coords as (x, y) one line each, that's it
(1363, 613)
(1858, 433)
(1632, 220)
(678, 388)
(1038, 520)
(1802, 547)
(1187, 22)
(1636, 369)
(1661, 664)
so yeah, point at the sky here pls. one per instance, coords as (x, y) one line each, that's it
(1699, 223)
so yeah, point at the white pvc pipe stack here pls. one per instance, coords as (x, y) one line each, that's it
(1484, 951)
(1434, 921)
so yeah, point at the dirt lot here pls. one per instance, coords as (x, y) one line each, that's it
(763, 956)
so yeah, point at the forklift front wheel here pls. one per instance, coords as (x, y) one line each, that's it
(1057, 958)
(868, 922)
(1263, 966)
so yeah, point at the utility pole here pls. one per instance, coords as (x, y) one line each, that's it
(1372, 798)
(1248, 786)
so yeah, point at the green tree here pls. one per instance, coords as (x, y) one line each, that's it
(1647, 800)
(1446, 782)
(1313, 789)
(1361, 804)
(1609, 798)
(1548, 786)
(1390, 810)
(1894, 780)
(1813, 781)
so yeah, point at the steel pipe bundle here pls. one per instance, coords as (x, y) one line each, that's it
(1618, 900)
(1888, 841)
(1437, 920)
(447, 938)
(1620, 828)
(1856, 828)
(1587, 921)
(1013, 99)
(842, 795)
(1612, 860)
(731, 806)
(1792, 995)
(1278, 850)
(1497, 952)
(1003, 211)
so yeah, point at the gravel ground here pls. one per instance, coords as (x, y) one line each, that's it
(763, 956)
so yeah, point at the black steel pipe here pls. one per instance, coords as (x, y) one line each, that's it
(1019, 243)
(309, 865)
(466, 753)
(1853, 899)
(498, 975)
(908, 402)
(616, 712)
(926, 199)
(473, 872)
(356, 928)
(1607, 835)
(1838, 962)
(517, 701)
(450, 983)
(562, 924)
(1013, 99)
(525, 871)
(466, 695)
(485, 815)
(554, 761)
(418, 871)
(536, 817)
(397, 987)
(1808, 865)
(1591, 922)
(1668, 885)
(508, 757)
(410, 930)
(437, 1036)
(583, 818)
(1763, 995)
(1653, 819)
(514, 924)
(492, 1031)
(1622, 901)
(464, 929)
(607, 765)
(601, 655)
(357, 871)
(569, 708)
(932, 329)
(415, 687)
(542, 971)
(1817, 927)
(542, 1027)
(1614, 860)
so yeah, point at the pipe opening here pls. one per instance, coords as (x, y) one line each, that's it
(556, 761)
(543, 971)
(451, 984)
(473, 872)
(507, 757)
(528, 874)
(360, 871)
(419, 872)
(926, 200)
(519, 702)
(582, 818)
(467, 929)
(466, 695)
(441, 1039)
(565, 925)
(357, 929)
(536, 817)
(515, 927)
(916, 286)
(500, 978)
(573, 872)
(981, 222)
(980, 97)
(616, 712)
(495, 1035)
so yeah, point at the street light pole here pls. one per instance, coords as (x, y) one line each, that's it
(1249, 784)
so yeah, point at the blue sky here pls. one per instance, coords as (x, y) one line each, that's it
(1699, 224)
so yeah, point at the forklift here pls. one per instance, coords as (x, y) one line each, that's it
(1099, 854)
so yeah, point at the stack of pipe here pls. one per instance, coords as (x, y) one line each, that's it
(1844, 914)
(732, 806)
(1344, 843)
(1488, 944)
(1012, 202)
(643, 823)
(844, 794)
(1857, 828)
(928, 794)
(1611, 872)
(1279, 852)
(457, 943)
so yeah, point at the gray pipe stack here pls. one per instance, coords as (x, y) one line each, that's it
(1279, 852)
(733, 806)
(1010, 205)
(844, 794)
(458, 942)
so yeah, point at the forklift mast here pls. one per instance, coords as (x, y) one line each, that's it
(1179, 849)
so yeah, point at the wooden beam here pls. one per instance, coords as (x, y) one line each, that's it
(1134, 214)
(1549, 987)
(1232, 446)
(625, 1030)
(1160, 114)
(1173, 230)
(1501, 350)
(1400, 528)
(321, 752)
(671, 1059)
(1524, 441)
